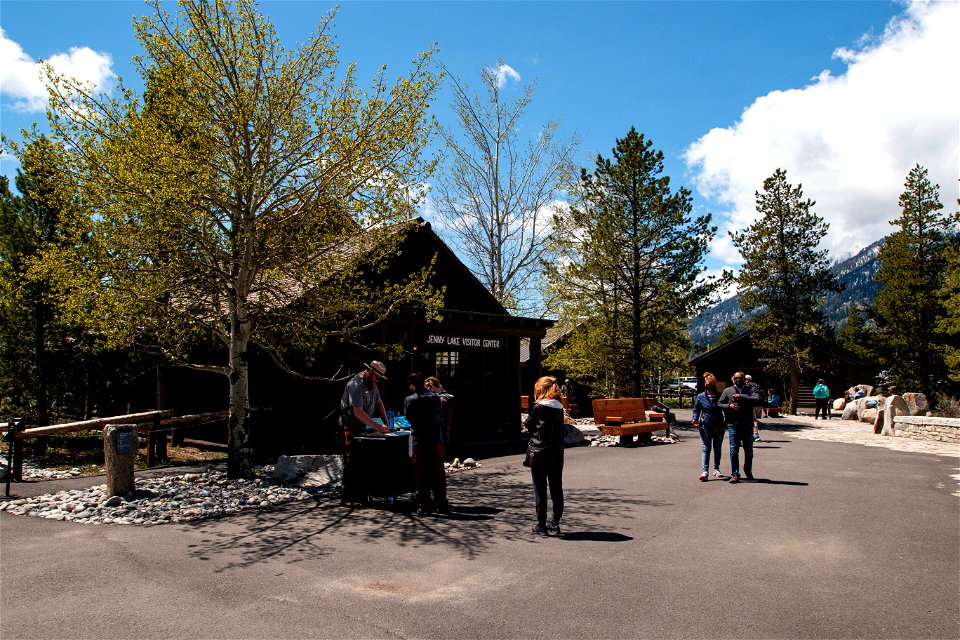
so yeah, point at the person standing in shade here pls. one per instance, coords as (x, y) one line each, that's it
(358, 407)
(422, 408)
(773, 402)
(446, 411)
(822, 395)
(737, 402)
(708, 418)
(545, 449)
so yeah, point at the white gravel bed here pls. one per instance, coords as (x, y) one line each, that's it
(168, 499)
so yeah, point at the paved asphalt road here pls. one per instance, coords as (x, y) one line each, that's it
(835, 541)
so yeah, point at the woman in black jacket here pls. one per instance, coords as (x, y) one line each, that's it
(545, 450)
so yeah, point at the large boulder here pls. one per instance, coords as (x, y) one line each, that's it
(868, 403)
(869, 416)
(895, 406)
(852, 410)
(572, 436)
(839, 404)
(320, 469)
(916, 403)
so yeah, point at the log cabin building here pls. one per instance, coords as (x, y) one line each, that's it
(475, 351)
(839, 367)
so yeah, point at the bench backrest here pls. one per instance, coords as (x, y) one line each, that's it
(630, 409)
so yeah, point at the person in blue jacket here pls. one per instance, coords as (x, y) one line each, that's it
(708, 418)
(822, 395)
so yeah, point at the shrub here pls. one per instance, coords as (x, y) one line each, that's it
(946, 406)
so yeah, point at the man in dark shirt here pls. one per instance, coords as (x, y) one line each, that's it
(422, 408)
(737, 402)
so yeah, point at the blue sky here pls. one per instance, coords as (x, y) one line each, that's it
(846, 96)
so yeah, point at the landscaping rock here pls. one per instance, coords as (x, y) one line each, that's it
(839, 404)
(895, 406)
(572, 436)
(917, 403)
(290, 468)
(851, 410)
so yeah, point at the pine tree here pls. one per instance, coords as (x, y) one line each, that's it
(908, 308)
(855, 335)
(784, 276)
(949, 325)
(632, 254)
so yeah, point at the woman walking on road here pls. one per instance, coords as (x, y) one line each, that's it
(545, 452)
(708, 418)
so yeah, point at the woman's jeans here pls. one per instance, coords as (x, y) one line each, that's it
(706, 438)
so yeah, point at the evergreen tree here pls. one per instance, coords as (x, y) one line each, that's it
(730, 331)
(632, 254)
(855, 335)
(909, 307)
(784, 276)
(950, 324)
(36, 347)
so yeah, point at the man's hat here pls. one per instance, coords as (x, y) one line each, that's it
(378, 368)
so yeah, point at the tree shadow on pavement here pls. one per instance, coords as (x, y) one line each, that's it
(490, 505)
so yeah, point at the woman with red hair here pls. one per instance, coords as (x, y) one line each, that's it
(545, 452)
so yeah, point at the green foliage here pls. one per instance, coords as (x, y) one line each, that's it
(50, 369)
(629, 270)
(249, 197)
(949, 324)
(910, 309)
(730, 331)
(784, 276)
(855, 335)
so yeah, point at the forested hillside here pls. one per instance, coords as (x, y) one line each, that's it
(855, 273)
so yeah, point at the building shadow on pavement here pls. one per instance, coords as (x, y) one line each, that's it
(489, 506)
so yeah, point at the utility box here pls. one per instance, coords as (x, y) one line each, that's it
(119, 456)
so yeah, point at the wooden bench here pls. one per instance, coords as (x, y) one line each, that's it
(625, 417)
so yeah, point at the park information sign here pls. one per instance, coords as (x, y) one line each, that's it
(451, 342)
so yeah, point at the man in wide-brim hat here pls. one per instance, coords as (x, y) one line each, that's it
(360, 404)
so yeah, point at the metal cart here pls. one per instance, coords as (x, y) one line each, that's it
(383, 465)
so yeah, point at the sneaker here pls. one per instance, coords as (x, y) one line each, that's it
(539, 530)
(553, 528)
(734, 479)
(703, 477)
(756, 438)
(748, 475)
(718, 475)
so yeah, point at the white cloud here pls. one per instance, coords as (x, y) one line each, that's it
(849, 139)
(21, 77)
(503, 72)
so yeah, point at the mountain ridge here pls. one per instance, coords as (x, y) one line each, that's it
(854, 273)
